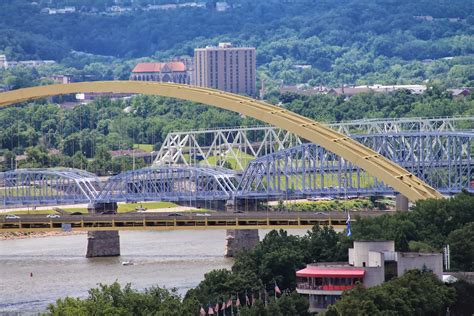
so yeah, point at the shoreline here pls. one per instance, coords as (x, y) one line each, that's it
(13, 236)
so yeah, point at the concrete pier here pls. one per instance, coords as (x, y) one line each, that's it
(239, 240)
(102, 243)
(401, 203)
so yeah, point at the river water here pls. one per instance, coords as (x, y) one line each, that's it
(172, 259)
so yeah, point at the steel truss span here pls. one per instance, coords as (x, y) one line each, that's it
(169, 184)
(444, 160)
(240, 145)
(48, 186)
(385, 170)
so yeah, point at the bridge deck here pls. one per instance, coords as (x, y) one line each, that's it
(163, 221)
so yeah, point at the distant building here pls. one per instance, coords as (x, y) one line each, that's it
(30, 63)
(173, 71)
(348, 91)
(459, 92)
(64, 79)
(64, 10)
(118, 9)
(226, 68)
(3, 62)
(413, 88)
(88, 97)
(370, 263)
(351, 91)
(304, 89)
(222, 6)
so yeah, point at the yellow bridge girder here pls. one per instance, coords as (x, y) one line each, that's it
(342, 145)
(160, 224)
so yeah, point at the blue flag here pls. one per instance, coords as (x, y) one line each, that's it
(348, 225)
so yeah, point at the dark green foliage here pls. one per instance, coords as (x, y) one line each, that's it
(433, 103)
(463, 305)
(288, 304)
(347, 41)
(115, 300)
(461, 243)
(415, 293)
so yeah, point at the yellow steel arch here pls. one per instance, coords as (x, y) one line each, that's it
(375, 164)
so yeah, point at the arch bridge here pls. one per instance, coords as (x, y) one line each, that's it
(340, 144)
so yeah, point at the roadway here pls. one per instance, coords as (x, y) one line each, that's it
(172, 221)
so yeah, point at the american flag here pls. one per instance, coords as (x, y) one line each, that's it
(247, 301)
(223, 306)
(348, 225)
(277, 289)
(210, 311)
(229, 303)
(202, 312)
(237, 303)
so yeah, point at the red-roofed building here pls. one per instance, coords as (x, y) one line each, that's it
(370, 263)
(172, 71)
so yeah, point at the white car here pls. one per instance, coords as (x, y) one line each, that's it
(53, 216)
(203, 214)
(12, 217)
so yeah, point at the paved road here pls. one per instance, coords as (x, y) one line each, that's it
(183, 216)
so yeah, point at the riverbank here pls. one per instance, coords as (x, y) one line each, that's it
(10, 236)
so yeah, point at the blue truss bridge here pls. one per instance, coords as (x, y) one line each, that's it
(269, 164)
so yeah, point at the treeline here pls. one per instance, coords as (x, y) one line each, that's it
(435, 102)
(428, 227)
(344, 42)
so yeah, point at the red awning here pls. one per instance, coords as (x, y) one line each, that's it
(311, 272)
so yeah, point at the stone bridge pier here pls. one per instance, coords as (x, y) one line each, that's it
(401, 202)
(102, 243)
(239, 239)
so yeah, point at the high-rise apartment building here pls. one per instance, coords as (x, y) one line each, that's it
(227, 68)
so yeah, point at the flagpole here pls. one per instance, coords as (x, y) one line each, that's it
(274, 289)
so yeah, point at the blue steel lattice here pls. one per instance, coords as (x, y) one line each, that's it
(48, 187)
(170, 184)
(442, 159)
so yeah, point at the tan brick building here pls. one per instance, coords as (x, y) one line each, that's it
(173, 71)
(227, 68)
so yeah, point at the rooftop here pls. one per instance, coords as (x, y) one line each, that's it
(318, 271)
(171, 66)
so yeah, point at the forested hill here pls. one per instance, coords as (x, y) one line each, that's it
(345, 41)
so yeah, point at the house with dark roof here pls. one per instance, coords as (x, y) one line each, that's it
(172, 71)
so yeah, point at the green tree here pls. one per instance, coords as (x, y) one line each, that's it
(414, 293)
(461, 244)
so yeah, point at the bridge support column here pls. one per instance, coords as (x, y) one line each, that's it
(103, 243)
(401, 202)
(239, 240)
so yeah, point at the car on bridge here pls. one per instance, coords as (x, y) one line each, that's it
(53, 216)
(108, 213)
(12, 217)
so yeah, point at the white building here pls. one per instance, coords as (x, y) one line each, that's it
(370, 263)
(3, 62)
(222, 6)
